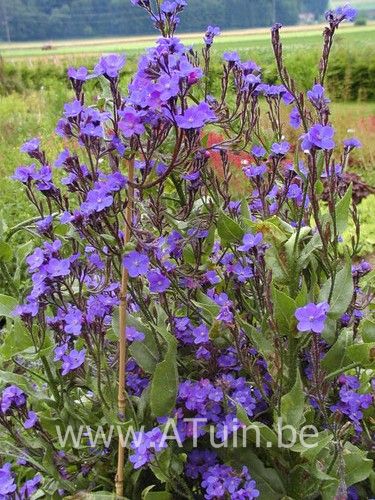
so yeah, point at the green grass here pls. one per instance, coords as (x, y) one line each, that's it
(22, 117)
(257, 39)
(36, 114)
(43, 90)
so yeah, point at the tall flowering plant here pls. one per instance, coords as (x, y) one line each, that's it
(233, 322)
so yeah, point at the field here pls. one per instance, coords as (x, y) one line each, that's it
(154, 282)
(294, 37)
(37, 102)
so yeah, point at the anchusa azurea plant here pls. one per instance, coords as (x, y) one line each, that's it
(234, 320)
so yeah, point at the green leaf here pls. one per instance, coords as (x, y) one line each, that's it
(208, 306)
(158, 495)
(336, 357)
(307, 251)
(146, 352)
(164, 383)
(274, 230)
(289, 245)
(15, 341)
(368, 331)
(292, 405)
(266, 435)
(145, 356)
(98, 495)
(363, 354)
(357, 466)
(320, 442)
(261, 342)
(15, 378)
(284, 309)
(228, 229)
(245, 212)
(161, 466)
(6, 252)
(23, 251)
(277, 264)
(341, 297)
(342, 210)
(188, 255)
(7, 305)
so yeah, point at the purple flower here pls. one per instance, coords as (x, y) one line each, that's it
(280, 148)
(258, 151)
(294, 192)
(133, 335)
(316, 96)
(31, 420)
(320, 137)
(36, 259)
(351, 144)
(96, 201)
(131, 122)
(250, 241)
(30, 486)
(136, 263)
(7, 484)
(345, 319)
(252, 171)
(72, 360)
(168, 86)
(212, 277)
(28, 310)
(352, 402)
(348, 12)
(231, 57)
(146, 446)
(337, 169)
(12, 396)
(157, 281)
(25, 173)
(43, 226)
(199, 461)
(288, 98)
(60, 351)
(72, 109)
(253, 80)
(63, 156)
(210, 34)
(73, 321)
(361, 269)
(312, 317)
(345, 13)
(295, 118)
(30, 146)
(79, 74)
(195, 117)
(200, 334)
(58, 267)
(221, 481)
(243, 273)
(225, 314)
(110, 65)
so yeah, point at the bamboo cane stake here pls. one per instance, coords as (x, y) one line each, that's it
(122, 334)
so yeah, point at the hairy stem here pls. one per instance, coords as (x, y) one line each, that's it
(122, 335)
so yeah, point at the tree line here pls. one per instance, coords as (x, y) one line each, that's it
(22, 20)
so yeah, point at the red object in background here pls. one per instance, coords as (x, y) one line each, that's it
(367, 124)
(235, 159)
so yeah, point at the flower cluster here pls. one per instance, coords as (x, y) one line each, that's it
(215, 286)
(351, 402)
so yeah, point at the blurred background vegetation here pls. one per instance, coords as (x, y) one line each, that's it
(34, 87)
